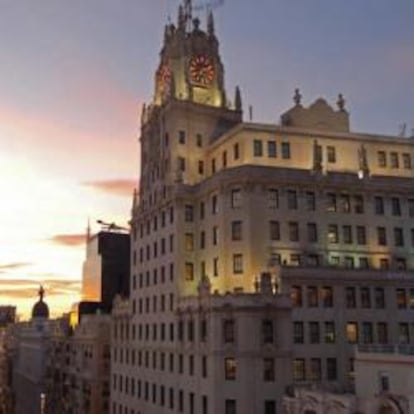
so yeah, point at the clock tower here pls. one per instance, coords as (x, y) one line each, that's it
(190, 65)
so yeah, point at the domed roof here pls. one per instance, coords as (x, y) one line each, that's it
(40, 308)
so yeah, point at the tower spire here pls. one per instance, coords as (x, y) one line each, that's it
(210, 23)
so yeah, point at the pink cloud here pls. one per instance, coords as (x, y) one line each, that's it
(119, 187)
(71, 240)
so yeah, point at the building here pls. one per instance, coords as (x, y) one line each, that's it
(7, 320)
(328, 213)
(105, 270)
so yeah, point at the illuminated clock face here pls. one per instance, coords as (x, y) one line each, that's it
(164, 76)
(202, 70)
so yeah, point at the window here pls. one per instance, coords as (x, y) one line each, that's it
(228, 331)
(189, 272)
(273, 198)
(299, 373)
(365, 297)
(270, 407)
(381, 236)
(257, 148)
(395, 206)
(237, 263)
(379, 298)
(349, 262)
(394, 160)
(293, 231)
(331, 202)
(215, 267)
(236, 198)
(285, 150)
(382, 159)
(236, 230)
(230, 369)
(359, 204)
(401, 298)
(379, 205)
(352, 332)
(271, 149)
(310, 201)
(215, 235)
(202, 239)
(331, 154)
(384, 264)
(189, 213)
(201, 167)
(189, 242)
(298, 333)
(404, 333)
(315, 369)
(268, 369)
(361, 235)
(312, 296)
(384, 386)
(367, 333)
(330, 336)
(333, 233)
(314, 333)
(345, 203)
(312, 233)
(202, 210)
(296, 296)
(327, 297)
(363, 263)
(181, 137)
(224, 159)
(267, 331)
(331, 369)
(406, 161)
(181, 164)
(398, 237)
(411, 207)
(214, 204)
(274, 230)
(199, 140)
(347, 234)
(292, 200)
(382, 333)
(236, 151)
(230, 407)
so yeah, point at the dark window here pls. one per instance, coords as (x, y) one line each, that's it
(292, 200)
(382, 333)
(267, 331)
(314, 333)
(268, 369)
(395, 206)
(394, 162)
(350, 296)
(312, 293)
(237, 263)
(296, 296)
(201, 167)
(214, 204)
(189, 213)
(398, 237)
(347, 234)
(293, 231)
(269, 407)
(298, 333)
(315, 369)
(379, 298)
(224, 159)
(359, 204)
(213, 165)
(331, 369)
(365, 297)
(236, 198)
(236, 230)
(330, 336)
(274, 230)
(361, 235)
(273, 198)
(271, 149)
(401, 298)
(382, 159)
(285, 150)
(189, 271)
(299, 373)
(379, 205)
(312, 233)
(236, 151)
(411, 207)
(230, 407)
(228, 331)
(327, 297)
(310, 201)
(331, 154)
(181, 137)
(367, 333)
(331, 202)
(199, 140)
(257, 148)
(404, 333)
(345, 203)
(406, 161)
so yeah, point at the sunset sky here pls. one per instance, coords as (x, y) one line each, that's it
(73, 77)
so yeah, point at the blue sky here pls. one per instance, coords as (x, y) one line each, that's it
(74, 74)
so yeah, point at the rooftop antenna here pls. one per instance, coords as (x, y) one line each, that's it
(250, 113)
(403, 130)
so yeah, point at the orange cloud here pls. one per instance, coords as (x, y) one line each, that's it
(71, 240)
(119, 187)
(12, 266)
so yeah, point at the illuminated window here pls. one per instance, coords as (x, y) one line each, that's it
(401, 298)
(331, 202)
(296, 296)
(230, 368)
(189, 272)
(345, 203)
(332, 233)
(352, 332)
(330, 336)
(299, 373)
(189, 242)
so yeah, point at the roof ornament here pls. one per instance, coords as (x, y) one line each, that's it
(238, 100)
(210, 24)
(41, 293)
(297, 98)
(341, 102)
